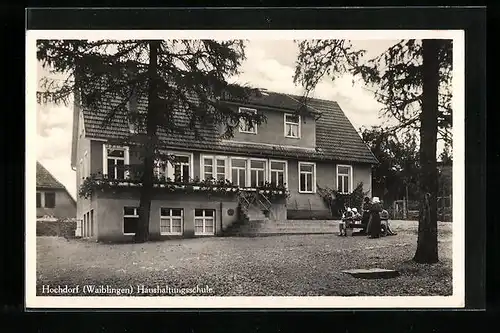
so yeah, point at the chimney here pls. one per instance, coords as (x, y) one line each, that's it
(130, 71)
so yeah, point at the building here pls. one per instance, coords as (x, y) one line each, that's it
(53, 201)
(319, 148)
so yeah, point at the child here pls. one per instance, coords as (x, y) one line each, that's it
(346, 217)
(384, 217)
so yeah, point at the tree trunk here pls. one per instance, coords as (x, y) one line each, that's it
(142, 234)
(427, 247)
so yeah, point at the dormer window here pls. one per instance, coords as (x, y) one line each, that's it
(292, 126)
(246, 126)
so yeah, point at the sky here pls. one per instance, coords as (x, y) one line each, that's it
(269, 65)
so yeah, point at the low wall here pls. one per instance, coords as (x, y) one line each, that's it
(323, 214)
(262, 228)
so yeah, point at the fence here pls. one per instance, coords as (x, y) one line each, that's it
(409, 209)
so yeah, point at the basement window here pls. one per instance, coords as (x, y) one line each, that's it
(204, 222)
(171, 221)
(130, 220)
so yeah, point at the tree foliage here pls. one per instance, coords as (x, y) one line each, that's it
(398, 167)
(396, 76)
(412, 81)
(180, 83)
(192, 76)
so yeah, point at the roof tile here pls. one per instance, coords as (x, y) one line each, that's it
(44, 178)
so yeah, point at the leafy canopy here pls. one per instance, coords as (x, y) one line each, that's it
(396, 76)
(192, 78)
(398, 166)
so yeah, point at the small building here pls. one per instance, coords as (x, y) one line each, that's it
(53, 200)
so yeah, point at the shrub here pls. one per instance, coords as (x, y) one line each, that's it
(337, 201)
(61, 228)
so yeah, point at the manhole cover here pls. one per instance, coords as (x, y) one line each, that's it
(372, 273)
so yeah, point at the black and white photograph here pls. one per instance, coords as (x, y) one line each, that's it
(288, 169)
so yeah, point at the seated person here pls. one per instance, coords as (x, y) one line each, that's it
(384, 219)
(355, 215)
(344, 223)
(384, 215)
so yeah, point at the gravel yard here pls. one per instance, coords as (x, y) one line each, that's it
(295, 265)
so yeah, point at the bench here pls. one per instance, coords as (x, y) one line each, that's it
(355, 225)
(359, 225)
(349, 224)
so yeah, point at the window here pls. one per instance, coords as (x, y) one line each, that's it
(84, 225)
(244, 172)
(204, 221)
(114, 161)
(178, 169)
(87, 227)
(38, 199)
(208, 168)
(220, 173)
(257, 173)
(92, 222)
(171, 221)
(213, 167)
(181, 168)
(344, 178)
(278, 172)
(50, 199)
(292, 126)
(307, 177)
(246, 126)
(130, 220)
(239, 171)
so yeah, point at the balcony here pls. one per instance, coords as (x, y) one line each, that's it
(102, 182)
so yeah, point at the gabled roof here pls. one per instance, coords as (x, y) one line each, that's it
(336, 138)
(44, 178)
(336, 135)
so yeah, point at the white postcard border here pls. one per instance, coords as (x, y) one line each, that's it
(457, 300)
